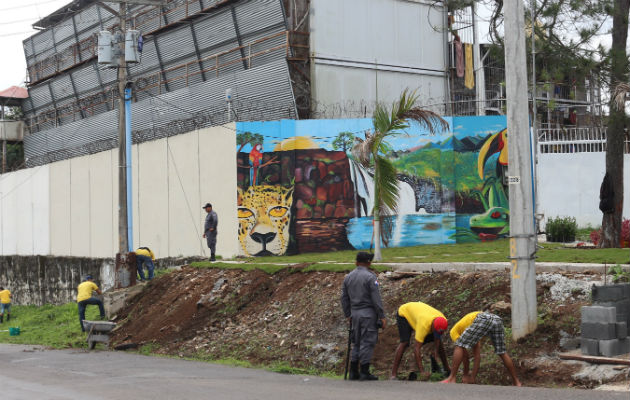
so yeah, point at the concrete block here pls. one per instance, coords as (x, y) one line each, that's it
(609, 293)
(622, 330)
(593, 330)
(599, 314)
(589, 347)
(622, 306)
(614, 347)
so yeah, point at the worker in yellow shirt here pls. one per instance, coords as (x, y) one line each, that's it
(5, 304)
(467, 334)
(144, 255)
(428, 324)
(85, 296)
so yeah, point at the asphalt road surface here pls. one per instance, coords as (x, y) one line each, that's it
(28, 372)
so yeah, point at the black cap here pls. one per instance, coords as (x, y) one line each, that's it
(364, 257)
(207, 205)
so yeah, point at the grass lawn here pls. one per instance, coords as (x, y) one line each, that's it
(495, 251)
(48, 325)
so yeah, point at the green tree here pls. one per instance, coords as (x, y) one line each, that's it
(343, 141)
(372, 152)
(245, 138)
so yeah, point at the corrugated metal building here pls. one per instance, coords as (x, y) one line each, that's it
(280, 58)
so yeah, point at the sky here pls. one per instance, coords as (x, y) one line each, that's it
(16, 18)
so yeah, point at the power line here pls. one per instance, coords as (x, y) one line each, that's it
(29, 5)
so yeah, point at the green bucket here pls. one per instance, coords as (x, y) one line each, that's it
(14, 331)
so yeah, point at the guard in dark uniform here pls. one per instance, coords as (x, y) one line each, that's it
(362, 305)
(210, 230)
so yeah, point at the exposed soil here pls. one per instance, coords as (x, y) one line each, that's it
(294, 319)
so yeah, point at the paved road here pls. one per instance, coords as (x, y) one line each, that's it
(27, 372)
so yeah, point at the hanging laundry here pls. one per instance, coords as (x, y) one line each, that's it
(459, 57)
(469, 79)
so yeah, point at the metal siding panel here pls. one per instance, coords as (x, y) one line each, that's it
(263, 93)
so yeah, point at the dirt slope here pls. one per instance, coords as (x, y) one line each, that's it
(294, 319)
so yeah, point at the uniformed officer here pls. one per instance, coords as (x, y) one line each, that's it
(210, 230)
(362, 305)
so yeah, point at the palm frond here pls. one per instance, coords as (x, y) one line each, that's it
(427, 119)
(402, 111)
(619, 97)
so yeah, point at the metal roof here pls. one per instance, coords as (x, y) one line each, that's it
(13, 96)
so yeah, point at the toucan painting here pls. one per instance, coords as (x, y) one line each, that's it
(496, 143)
(495, 221)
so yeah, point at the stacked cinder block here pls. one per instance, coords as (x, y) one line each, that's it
(605, 323)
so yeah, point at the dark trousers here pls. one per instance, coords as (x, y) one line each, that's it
(140, 262)
(364, 335)
(84, 303)
(211, 240)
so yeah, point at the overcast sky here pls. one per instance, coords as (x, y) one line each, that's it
(16, 18)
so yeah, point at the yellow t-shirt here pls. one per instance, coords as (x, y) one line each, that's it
(147, 253)
(462, 324)
(5, 296)
(85, 290)
(420, 316)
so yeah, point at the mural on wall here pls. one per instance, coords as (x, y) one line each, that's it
(299, 190)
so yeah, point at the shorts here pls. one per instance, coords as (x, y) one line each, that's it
(5, 307)
(485, 324)
(404, 330)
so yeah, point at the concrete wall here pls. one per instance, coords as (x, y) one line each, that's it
(70, 208)
(368, 50)
(42, 280)
(568, 185)
(24, 212)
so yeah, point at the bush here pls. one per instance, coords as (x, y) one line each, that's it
(561, 229)
(625, 232)
(595, 236)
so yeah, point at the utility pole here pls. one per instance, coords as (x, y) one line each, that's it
(522, 233)
(123, 240)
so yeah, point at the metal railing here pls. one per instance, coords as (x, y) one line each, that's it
(575, 140)
(291, 44)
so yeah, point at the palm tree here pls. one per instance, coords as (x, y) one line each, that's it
(372, 151)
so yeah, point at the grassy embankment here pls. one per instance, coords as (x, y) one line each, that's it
(495, 251)
(49, 325)
(57, 326)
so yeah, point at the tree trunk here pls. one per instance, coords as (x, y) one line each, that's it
(377, 214)
(611, 223)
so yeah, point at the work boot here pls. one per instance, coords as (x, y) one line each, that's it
(354, 371)
(2, 319)
(365, 373)
(212, 258)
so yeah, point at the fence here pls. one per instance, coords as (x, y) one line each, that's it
(575, 140)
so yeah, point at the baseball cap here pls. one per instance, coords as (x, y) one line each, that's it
(88, 277)
(440, 324)
(364, 257)
(207, 205)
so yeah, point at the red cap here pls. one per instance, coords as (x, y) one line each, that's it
(440, 324)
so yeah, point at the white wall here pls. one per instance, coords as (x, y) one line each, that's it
(364, 50)
(71, 207)
(569, 183)
(24, 212)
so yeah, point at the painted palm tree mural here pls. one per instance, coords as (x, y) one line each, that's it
(301, 188)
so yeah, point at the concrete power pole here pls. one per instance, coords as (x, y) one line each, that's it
(522, 233)
(123, 240)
